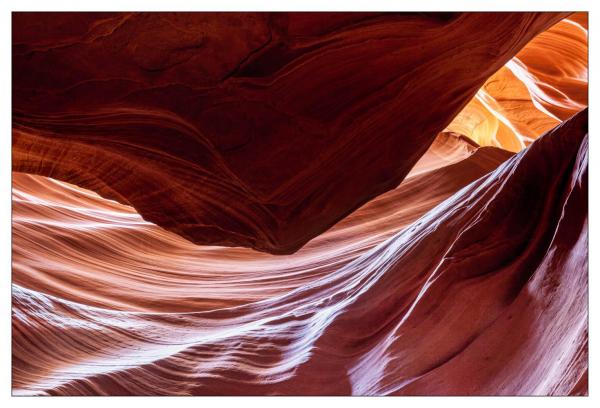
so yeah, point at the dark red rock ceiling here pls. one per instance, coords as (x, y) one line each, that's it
(257, 130)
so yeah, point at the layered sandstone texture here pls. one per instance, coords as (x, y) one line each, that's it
(300, 204)
(485, 294)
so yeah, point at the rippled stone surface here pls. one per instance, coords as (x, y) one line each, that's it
(484, 294)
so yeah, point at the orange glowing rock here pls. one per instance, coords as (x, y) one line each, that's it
(545, 83)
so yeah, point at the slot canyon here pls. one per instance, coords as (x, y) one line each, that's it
(300, 203)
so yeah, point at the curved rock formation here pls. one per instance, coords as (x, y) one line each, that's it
(427, 311)
(256, 130)
(73, 244)
(544, 84)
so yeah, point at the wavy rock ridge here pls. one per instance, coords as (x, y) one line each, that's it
(100, 253)
(424, 312)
